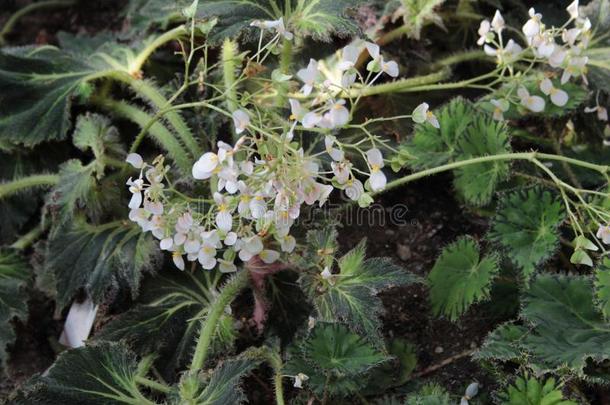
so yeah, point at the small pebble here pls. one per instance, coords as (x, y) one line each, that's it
(403, 251)
(439, 350)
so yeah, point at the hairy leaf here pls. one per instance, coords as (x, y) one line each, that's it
(567, 328)
(221, 387)
(432, 147)
(141, 15)
(36, 90)
(430, 394)
(316, 18)
(461, 277)
(74, 189)
(95, 132)
(529, 390)
(416, 13)
(13, 299)
(168, 319)
(351, 296)
(483, 137)
(98, 257)
(602, 287)
(104, 373)
(526, 226)
(332, 357)
(503, 344)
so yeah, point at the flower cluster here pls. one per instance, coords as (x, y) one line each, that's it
(560, 49)
(260, 183)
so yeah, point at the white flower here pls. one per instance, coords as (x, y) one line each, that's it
(576, 66)
(327, 275)
(224, 219)
(311, 119)
(390, 68)
(349, 57)
(154, 207)
(603, 234)
(204, 167)
(308, 76)
(497, 22)
(500, 107)
(230, 239)
(572, 9)
(225, 266)
(269, 256)
(485, 34)
(422, 114)
(354, 189)
(373, 50)
(532, 103)
(299, 379)
(207, 256)
(557, 57)
(135, 188)
(241, 120)
(544, 46)
(341, 170)
(602, 112)
(297, 112)
(178, 259)
(166, 243)
(250, 247)
(558, 96)
(192, 246)
(338, 115)
(532, 26)
(311, 322)
(570, 36)
(135, 160)
(288, 243)
(278, 25)
(335, 153)
(258, 206)
(378, 63)
(375, 160)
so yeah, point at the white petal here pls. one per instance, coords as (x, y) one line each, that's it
(311, 119)
(419, 114)
(559, 97)
(166, 244)
(224, 221)
(536, 103)
(391, 68)
(269, 256)
(192, 246)
(546, 86)
(377, 180)
(135, 160)
(572, 9)
(288, 243)
(531, 28)
(339, 116)
(205, 165)
(241, 120)
(373, 49)
(178, 261)
(135, 201)
(230, 239)
(374, 157)
(497, 22)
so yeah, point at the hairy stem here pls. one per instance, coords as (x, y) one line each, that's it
(136, 65)
(36, 180)
(474, 54)
(208, 328)
(152, 94)
(26, 240)
(158, 131)
(530, 156)
(153, 384)
(402, 85)
(41, 5)
(229, 55)
(285, 64)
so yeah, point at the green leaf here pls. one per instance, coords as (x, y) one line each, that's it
(14, 273)
(430, 394)
(221, 387)
(141, 15)
(318, 19)
(97, 258)
(431, 147)
(483, 137)
(503, 344)
(416, 13)
(74, 189)
(95, 132)
(104, 373)
(36, 90)
(460, 277)
(567, 328)
(167, 320)
(526, 226)
(529, 390)
(602, 287)
(352, 295)
(393, 373)
(332, 357)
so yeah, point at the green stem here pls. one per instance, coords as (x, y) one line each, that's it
(275, 361)
(153, 384)
(530, 156)
(36, 180)
(466, 56)
(285, 63)
(401, 86)
(136, 65)
(26, 240)
(151, 93)
(158, 131)
(208, 329)
(229, 54)
(41, 5)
